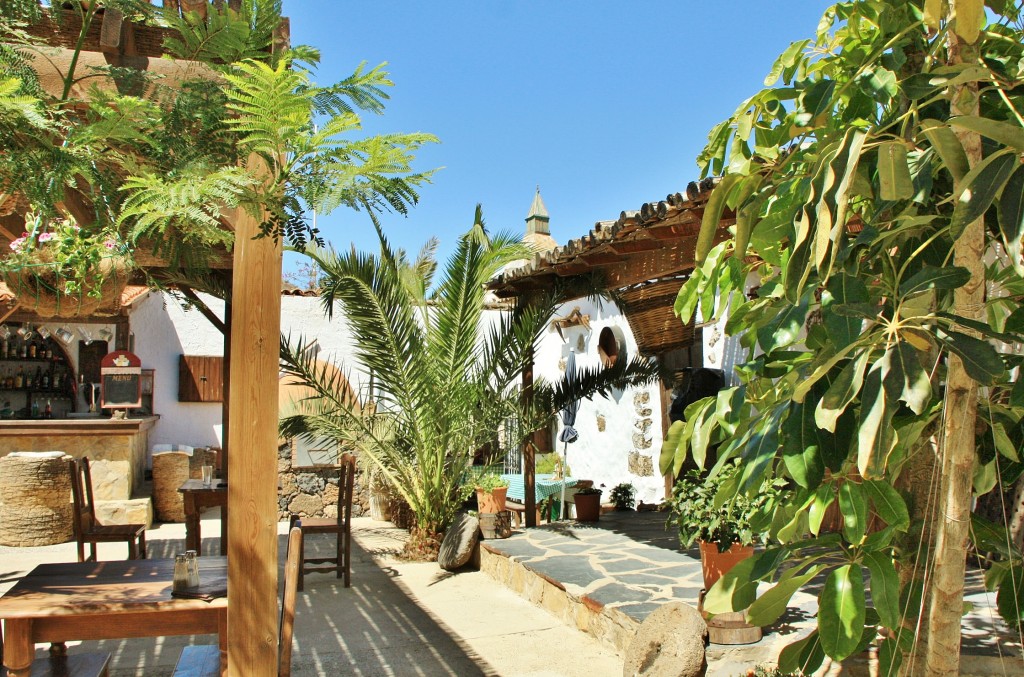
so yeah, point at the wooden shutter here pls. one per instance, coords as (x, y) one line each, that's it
(201, 378)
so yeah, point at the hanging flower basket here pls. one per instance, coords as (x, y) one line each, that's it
(57, 269)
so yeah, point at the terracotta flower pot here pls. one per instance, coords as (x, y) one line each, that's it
(588, 507)
(715, 564)
(491, 502)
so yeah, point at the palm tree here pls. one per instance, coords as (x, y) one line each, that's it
(445, 379)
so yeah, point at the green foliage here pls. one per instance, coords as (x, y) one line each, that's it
(489, 482)
(624, 496)
(164, 163)
(850, 187)
(444, 385)
(61, 256)
(707, 508)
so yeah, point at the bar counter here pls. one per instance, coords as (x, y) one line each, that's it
(116, 448)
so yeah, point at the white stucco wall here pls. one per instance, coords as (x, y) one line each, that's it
(164, 331)
(629, 425)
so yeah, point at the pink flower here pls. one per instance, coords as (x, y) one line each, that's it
(109, 244)
(46, 237)
(16, 245)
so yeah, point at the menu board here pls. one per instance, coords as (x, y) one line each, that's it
(121, 380)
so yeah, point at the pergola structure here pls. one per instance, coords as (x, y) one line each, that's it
(251, 274)
(642, 260)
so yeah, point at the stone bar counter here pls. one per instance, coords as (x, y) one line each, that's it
(116, 449)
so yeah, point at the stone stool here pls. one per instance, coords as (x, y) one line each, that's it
(35, 499)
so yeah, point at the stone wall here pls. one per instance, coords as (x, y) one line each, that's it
(313, 491)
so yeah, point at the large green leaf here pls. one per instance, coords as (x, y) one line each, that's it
(1001, 132)
(704, 420)
(785, 328)
(945, 142)
(803, 656)
(670, 447)
(842, 391)
(980, 359)
(875, 434)
(734, 591)
(979, 188)
(1010, 213)
(760, 450)
(843, 289)
(823, 498)
(800, 450)
(853, 507)
(713, 211)
(890, 657)
(917, 387)
(1010, 599)
(689, 295)
(933, 277)
(885, 587)
(841, 612)
(895, 182)
(888, 503)
(770, 606)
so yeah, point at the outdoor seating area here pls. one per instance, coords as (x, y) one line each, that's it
(766, 422)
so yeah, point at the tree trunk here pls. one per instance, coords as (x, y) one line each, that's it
(957, 445)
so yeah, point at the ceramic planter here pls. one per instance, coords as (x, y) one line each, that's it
(588, 507)
(492, 501)
(714, 563)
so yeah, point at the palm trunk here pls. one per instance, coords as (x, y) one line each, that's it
(942, 655)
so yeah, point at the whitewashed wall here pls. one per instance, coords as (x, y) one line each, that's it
(619, 435)
(628, 437)
(164, 331)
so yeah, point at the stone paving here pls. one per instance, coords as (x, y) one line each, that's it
(605, 578)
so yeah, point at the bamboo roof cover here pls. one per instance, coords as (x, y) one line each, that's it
(643, 258)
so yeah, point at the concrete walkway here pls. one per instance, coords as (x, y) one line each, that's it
(398, 618)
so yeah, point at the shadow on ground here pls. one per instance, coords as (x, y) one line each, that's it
(371, 628)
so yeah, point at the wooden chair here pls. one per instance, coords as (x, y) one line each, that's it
(87, 530)
(61, 664)
(204, 660)
(342, 526)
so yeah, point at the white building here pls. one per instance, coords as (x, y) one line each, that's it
(619, 437)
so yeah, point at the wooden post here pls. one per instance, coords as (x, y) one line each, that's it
(529, 462)
(252, 489)
(225, 414)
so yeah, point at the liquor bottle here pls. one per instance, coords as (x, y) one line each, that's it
(48, 412)
(24, 349)
(19, 378)
(38, 380)
(5, 350)
(35, 410)
(32, 350)
(45, 383)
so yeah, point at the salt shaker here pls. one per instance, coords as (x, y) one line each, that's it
(180, 573)
(193, 568)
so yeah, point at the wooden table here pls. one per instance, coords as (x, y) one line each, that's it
(197, 496)
(106, 600)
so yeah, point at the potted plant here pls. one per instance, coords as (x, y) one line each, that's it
(588, 504)
(726, 532)
(58, 268)
(490, 493)
(624, 496)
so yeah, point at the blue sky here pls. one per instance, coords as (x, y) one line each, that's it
(603, 104)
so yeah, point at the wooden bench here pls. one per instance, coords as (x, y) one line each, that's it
(200, 660)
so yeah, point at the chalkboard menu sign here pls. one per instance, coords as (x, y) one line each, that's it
(121, 378)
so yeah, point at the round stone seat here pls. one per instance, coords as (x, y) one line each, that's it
(35, 499)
